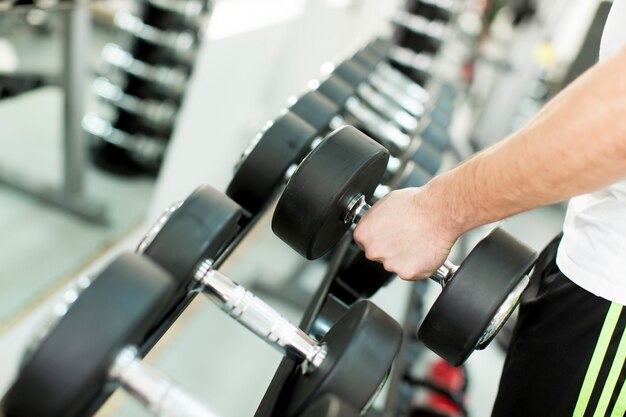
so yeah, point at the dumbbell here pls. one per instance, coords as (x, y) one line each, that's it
(145, 150)
(420, 61)
(373, 58)
(170, 82)
(327, 194)
(419, 33)
(92, 348)
(355, 75)
(158, 115)
(283, 143)
(321, 113)
(399, 144)
(174, 14)
(190, 11)
(442, 10)
(438, 103)
(178, 44)
(325, 116)
(385, 105)
(186, 239)
(386, 86)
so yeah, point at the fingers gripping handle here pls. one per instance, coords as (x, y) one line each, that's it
(260, 318)
(355, 212)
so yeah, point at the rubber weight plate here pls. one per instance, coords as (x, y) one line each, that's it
(425, 155)
(287, 141)
(460, 315)
(71, 364)
(436, 135)
(331, 311)
(380, 45)
(336, 90)
(315, 109)
(329, 406)
(361, 348)
(363, 276)
(353, 73)
(199, 229)
(367, 59)
(309, 214)
(413, 176)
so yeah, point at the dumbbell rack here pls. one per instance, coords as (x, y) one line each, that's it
(144, 101)
(70, 195)
(279, 387)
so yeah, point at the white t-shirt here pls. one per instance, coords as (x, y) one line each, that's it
(593, 250)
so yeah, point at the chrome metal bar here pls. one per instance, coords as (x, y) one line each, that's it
(153, 389)
(260, 318)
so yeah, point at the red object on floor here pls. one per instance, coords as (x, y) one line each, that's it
(450, 378)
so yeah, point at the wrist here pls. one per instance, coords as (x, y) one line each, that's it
(448, 213)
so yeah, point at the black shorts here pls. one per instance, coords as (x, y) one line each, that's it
(566, 356)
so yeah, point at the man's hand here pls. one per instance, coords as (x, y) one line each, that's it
(406, 233)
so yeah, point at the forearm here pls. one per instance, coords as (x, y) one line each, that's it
(576, 144)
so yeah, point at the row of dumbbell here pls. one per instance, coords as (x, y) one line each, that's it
(98, 338)
(80, 355)
(348, 96)
(147, 145)
(143, 81)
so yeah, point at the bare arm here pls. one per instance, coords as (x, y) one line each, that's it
(576, 144)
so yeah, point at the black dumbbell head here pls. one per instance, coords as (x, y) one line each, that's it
(352, 73)
(459, 317)
(316, 109)
(198, 230)
(336, 90)
(361, 348)
(261, 171)
(424, 155)
(433, 133)
(367, 59)
(381, 46)
(71, 364)
(362, 276)
(310, 213)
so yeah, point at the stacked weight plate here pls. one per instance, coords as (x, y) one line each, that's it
(143, 78)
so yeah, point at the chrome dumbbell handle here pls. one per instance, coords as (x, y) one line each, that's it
(260, 318)
(408, 103)
(419, 61)
(387, 107)
(355, 212)
(415, 90)
(153, 389)
(380, 127)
